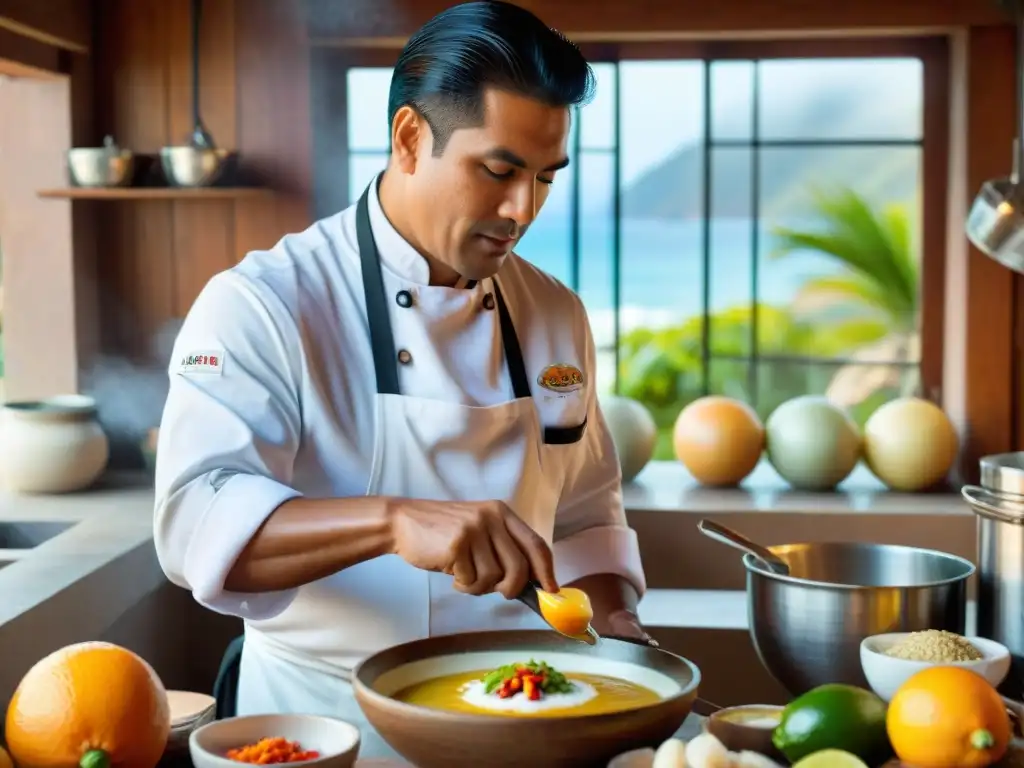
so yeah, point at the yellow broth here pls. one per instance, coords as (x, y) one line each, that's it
(613, 695)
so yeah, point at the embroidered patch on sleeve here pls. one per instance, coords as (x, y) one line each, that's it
(208, 361)
(561, 377)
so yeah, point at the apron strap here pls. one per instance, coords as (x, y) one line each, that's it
(513, 352)
(382, 340)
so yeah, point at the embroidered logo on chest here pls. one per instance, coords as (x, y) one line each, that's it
(561, 378)
(209, 361)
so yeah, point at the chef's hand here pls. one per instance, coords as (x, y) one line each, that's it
(614, 601)
(482, 544)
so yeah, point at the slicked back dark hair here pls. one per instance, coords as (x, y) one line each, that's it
(446, 66)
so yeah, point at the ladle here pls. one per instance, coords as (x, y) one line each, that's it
(200, 138)
(995, 224)
(529, 598)
(724, 535)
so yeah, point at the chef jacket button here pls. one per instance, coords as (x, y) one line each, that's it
(489, 301)
(404, 299)
(404, 356)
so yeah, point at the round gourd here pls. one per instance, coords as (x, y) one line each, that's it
(718, 439)
(910, 444)
(812, 443)
(633, 431)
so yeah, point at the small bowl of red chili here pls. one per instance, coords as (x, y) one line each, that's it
(310, 740)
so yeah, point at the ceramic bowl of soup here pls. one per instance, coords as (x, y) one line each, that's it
(531, 697)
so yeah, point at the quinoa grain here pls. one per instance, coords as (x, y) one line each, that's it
(934, 645)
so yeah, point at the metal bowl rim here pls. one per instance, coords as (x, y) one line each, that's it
(93, 152)
(178, 149)
(751, 564)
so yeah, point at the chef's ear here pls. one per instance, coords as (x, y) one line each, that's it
(408, 131)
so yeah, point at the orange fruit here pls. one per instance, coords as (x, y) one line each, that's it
(90, 704)
(948, 717)
(719, 439)
(5, 759)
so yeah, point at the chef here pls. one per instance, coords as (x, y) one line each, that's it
(381, 428)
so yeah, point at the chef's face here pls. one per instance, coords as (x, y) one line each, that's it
(480, 195)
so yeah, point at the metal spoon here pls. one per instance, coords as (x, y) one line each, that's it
(738, 541)
(529, 598)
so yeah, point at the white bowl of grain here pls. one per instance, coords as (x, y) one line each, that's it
(889, 660)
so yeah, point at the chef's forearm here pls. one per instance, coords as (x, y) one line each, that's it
(309, 539)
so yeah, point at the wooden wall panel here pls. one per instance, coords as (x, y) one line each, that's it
(274, 124)
(63, 24)
(202, 230)
(334, 21)
(157, 255)
(136, 246)
(989, 366)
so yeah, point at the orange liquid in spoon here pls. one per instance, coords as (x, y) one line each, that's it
(568, 611)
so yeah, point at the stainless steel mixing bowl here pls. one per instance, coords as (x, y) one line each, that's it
(807, 627)
(106, 166)
(189, 166)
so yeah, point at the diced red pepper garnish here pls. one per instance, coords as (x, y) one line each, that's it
(530, 688)
(524, 680)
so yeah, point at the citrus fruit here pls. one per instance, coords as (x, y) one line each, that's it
(720, 440)
(948, 717)
(5, 759)
(90, 704)
(837, 717)
(831, 758)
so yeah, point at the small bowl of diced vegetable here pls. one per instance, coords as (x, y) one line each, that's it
(310, 740)
(889, 660)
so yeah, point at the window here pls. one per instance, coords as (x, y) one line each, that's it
(736, 224)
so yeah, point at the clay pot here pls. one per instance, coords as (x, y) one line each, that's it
(51, 446)
(434, 738)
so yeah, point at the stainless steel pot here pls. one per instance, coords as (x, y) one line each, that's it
(999, 504)
(807, 627)
(106, 166)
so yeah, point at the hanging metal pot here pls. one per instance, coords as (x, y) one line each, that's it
(199, 163)
(995, 224)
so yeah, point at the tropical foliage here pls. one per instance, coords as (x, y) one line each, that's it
(867, 312)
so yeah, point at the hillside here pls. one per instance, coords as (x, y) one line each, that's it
(834, 108)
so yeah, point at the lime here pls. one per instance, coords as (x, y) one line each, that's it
(831, 758)
(834, 717)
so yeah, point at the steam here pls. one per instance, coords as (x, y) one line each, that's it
(130, 395)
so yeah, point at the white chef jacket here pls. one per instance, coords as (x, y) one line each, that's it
(272, 389)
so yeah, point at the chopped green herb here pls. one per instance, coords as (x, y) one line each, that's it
(550, 679)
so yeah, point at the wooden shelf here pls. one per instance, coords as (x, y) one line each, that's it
(154, 193)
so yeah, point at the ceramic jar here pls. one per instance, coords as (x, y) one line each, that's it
(51, 446)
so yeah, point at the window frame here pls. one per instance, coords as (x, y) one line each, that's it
(932, 50)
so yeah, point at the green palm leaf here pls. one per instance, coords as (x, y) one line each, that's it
(874, 247)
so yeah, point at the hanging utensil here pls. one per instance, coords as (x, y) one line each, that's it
(201, 138)
(995, 224)
(724, 535)
(199, 163)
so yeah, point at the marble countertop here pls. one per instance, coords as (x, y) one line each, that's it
(666, 486)
(113, 522)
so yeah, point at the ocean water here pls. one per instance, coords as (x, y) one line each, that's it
(662, 271)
